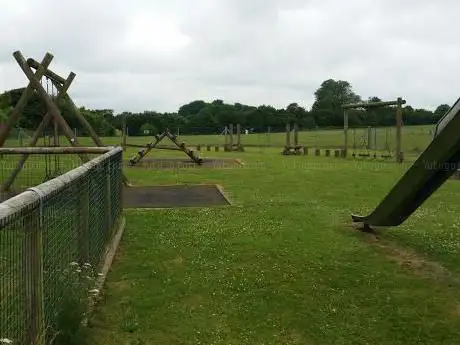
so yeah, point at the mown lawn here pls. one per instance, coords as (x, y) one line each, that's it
(282, 264)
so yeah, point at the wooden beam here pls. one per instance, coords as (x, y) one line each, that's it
(48, 73)
(53, 150)
(22, 102)
(296, 135)
(373, 104)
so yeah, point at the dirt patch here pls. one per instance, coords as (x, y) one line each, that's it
(174, 196)
(411, 260)
(179, 163)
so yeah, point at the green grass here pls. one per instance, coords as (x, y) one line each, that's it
(282, 265)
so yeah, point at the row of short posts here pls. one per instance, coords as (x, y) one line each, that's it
(208, 147)
(303, 150)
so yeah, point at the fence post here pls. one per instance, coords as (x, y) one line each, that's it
(107, 199)
(83, 230)
(34, 275)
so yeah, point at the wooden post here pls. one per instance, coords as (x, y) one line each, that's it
(288, 135)
(296, 135)
(22, 102)
(231, 136)
(34, 278)
(226, 138)
(399, 154)
(238, 135)
(345, 133)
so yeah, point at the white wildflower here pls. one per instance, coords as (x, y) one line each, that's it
(86, 265)
(78, 270)
(74, 263)
(6, 341)
(95, 291)
(100, 274)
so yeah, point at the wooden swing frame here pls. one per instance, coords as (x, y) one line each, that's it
(52, 113)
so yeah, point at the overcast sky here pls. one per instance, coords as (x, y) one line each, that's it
(160, 54)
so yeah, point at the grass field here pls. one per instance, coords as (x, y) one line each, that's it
(415, 138)
(282, 264)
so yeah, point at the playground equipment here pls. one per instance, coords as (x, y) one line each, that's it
(433, 167)
(52, 116)
(295, 148)
(368, 144)
(145, 149)
(366, 105)
(230, 144)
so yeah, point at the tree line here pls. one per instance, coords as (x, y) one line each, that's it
(200, 117)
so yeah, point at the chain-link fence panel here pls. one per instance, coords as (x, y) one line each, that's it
(53, 242)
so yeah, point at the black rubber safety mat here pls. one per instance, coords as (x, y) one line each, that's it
(174, 196)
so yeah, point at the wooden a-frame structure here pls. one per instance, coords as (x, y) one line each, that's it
(145, 149)
(62, 85)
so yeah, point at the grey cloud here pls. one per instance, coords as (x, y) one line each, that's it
(256, 52)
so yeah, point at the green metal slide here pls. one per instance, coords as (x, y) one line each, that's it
(431, 169)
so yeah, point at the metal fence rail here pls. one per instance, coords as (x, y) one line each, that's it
(53, 240)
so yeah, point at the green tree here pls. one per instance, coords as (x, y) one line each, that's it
(329, 98)
(441, 110)
(148, 129)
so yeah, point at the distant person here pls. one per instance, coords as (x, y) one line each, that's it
(246, 131)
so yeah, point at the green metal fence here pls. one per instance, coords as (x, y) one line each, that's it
(53, 242)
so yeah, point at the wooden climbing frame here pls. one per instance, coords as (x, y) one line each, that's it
(62, 85)
(145, 149)
(365, 105)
